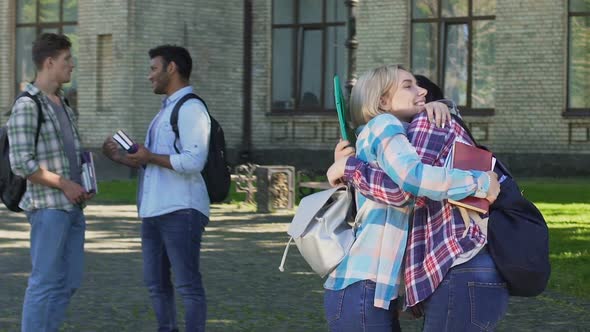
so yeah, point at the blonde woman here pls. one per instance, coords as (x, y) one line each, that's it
(361, 293)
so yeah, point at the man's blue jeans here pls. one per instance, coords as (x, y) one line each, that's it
(351, 310)
(57, 257)
(472, 297)
(173, 241)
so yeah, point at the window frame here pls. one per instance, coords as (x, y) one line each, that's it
(298, 32)
(39, 26)
(571, 111)
(441, 47)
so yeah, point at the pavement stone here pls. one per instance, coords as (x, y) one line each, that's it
(240, 257)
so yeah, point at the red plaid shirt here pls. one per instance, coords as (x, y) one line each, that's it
(438, 234)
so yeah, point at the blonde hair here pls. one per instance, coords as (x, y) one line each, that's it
(368, 90)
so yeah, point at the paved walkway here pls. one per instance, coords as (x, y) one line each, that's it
(246, 292)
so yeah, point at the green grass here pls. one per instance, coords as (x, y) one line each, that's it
(124, 192)
(116, 192)
(569, 246)
(565, 203)
(554, 190)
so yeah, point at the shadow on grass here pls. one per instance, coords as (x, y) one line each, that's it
(570, 259)
(239, 262)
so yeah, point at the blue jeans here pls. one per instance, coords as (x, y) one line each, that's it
(351, 310)
(173, 241)
(472, 297)
(57, 257)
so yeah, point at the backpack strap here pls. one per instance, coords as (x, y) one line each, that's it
(40, 118)
(174, 115)
(282, 266)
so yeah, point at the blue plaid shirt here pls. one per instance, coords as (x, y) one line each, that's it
(377, 254)
(26, 159)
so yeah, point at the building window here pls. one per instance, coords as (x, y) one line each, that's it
(34, 17)
(578, 63)
(308, 38)
(453, 45)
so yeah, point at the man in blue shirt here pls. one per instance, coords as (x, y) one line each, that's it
(172, 223)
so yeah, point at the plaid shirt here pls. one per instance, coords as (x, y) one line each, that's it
(438, 231)
(378, 251)
(50, 155)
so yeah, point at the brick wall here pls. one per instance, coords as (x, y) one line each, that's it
(261, 72)
(528, 128)
(7, 23)
(531, 43)
(134, 27)
(212, 32)
(117, 94)
(98, 21)
(531, 48)
(530, 90)
(280, 132)
(382, 29)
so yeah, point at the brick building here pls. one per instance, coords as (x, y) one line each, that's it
(520, 69)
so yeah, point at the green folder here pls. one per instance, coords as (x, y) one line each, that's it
(345, 131)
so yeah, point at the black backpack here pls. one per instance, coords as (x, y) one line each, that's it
(216, 172)
(12, 186)
(518, 239)
(518, 236)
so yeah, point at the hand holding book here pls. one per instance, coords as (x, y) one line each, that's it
(494, 188)
(346, 132)
(467, 157)
(88, 173)
(138, 155)
(125, 142)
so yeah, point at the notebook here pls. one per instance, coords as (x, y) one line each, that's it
(468, 157)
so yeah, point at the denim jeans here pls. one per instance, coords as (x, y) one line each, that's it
(173, 241)
(351, 310)
(57, 257)
(472, 297)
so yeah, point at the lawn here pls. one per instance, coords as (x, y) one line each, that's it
(124, 192)
(240, 255)
(565, 203)
(116, 192)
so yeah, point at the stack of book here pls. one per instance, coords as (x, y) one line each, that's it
(125, 142)
(88, 173)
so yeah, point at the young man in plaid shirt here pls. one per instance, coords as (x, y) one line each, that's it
(54, 198)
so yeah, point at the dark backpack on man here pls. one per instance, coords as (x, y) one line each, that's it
(518, 236)
(216, 171)
(12, 186)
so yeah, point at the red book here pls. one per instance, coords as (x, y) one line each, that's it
(467, 157)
